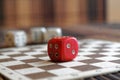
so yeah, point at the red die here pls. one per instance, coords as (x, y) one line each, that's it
(62, 48)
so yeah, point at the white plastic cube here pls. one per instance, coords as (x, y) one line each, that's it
(16, 38)
(52, 32)
(37, 34)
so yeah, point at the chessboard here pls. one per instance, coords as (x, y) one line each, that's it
(95, 57)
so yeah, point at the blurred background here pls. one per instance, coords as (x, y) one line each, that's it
(27, 13)
(24, 14)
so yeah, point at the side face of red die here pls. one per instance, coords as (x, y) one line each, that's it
(70, 49)
(62, 49)
(55, 49)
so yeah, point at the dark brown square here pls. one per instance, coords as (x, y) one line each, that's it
(116, 61)
(98, 51)
(117, 56)
(40, 75)
(30, 50)
(22, 66)
(31, 60)
(118, 51)
(86, 67)
(44, 51)
(6, 60)
(40, 55)
(95, 55)
(16, 55)
(51, 67)
(91, 61)
(36, 47)
(7, 51)
(102, 46)
(82, 47)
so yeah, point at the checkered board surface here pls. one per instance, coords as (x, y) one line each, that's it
(95, 57)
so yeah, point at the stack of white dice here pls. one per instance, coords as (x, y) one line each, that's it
(19, 38)
(42, 34)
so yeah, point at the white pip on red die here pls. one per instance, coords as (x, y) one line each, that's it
(52, 32)
(16, 38)
(37, 34)
(62, 48)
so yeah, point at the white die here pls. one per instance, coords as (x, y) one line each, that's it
(37, 34)
(52, 32)
(16, 38)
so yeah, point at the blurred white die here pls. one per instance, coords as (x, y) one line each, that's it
(16, 38)
(52, 32)
(37, 34)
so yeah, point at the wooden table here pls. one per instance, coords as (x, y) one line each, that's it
(98, 31)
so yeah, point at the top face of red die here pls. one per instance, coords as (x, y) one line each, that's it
(62, 48)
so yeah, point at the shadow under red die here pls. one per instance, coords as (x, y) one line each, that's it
(62, 48)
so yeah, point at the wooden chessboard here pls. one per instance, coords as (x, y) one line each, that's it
(95, 57)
